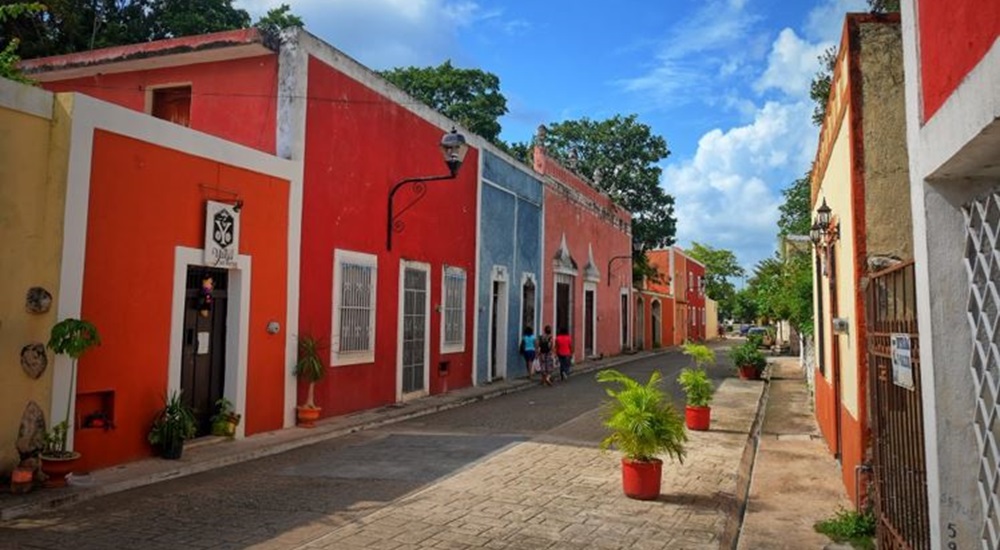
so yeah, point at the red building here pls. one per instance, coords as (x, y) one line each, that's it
(695, 294)
(586, 234)
(396, 323)
(655, 304)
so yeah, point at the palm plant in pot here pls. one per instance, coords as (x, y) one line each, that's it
(749, 360)
(174, 424)
(697, 386)
(643, 424)
(71, 337)
(310, 367)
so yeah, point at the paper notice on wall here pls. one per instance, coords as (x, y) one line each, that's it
(203, 339)
(902, 370)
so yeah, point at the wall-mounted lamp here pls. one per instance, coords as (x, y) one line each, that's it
(612, 261)
(453, 147)
(823, 233)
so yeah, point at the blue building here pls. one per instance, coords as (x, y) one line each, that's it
(510, 265)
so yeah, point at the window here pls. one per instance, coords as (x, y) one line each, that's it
(172, 104)
(354, 281)
(453, 310)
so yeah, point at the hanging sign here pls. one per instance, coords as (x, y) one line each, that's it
(222, 234)
(902, 370)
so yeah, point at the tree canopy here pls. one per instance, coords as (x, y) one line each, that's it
(795, 211)
(720, 266)
(68, 26)
(471, 97)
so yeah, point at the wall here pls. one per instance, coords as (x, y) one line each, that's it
(359, 146)
(589, 222)
(711, 319)
(510, 233)
(32, 169)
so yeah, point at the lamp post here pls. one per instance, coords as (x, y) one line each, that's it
(453, 148)
(613, 258)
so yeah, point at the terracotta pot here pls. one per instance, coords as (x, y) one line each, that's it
(698, 418)
(749, 373)
(641, 480)
(307, 416)
(57, 468)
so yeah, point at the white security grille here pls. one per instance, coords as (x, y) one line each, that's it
(982, 263)
(355, 307)
(454, 307)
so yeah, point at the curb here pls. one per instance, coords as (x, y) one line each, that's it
(74, 495)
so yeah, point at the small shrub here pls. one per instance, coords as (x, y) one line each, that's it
(697, 386)
(700, 353)
(848, 526)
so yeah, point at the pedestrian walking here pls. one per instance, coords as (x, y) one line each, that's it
(546, 360)
(528, 347)
(564, 350)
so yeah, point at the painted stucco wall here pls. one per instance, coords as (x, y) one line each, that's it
(32, 169)
(696, 300)
(510, 225)
(889, 231)
(233, 99)
(356, 148)
(711, 319)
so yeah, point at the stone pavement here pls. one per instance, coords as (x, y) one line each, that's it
(543, 493)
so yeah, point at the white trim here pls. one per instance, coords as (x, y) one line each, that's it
(592, 287)
(499, 275)
(520, 198)
(443, 346)
(426, 267)
(26, 99)
(629, 329)
(476, 306)
(340, 257)
(237, 341)
(89, 114)
(536, 320)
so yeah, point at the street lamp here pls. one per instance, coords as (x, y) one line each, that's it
(611, 261)
(453, 148)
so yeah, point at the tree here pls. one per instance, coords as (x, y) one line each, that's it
(277, 19)
(720, 267)
(620, 155)
(883, 6)
(8, 54)
(795, 216)
(744, 307)
(469, 96)
(819, 89)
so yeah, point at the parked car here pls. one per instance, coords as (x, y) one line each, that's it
(744, 328)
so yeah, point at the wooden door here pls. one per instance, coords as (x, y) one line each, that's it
(203, 356)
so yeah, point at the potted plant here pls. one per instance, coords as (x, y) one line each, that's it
(643, 423)
(174, 424)
(71, 337)
(748, 360)
(226, 419)
(697, 386)
(310, 367)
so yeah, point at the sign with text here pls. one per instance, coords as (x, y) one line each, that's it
(222, 234)
(902, 370)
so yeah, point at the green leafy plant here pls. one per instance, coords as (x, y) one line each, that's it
(642, 420)
(697, 386)
(70, 337)
(747, 355)
(225, 419)
(310, 366)
(700, 353)
(174, 424)
(849, 526)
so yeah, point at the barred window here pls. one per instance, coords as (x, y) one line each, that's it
(453, 309)
(354, 308)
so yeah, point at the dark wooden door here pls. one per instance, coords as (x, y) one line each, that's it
(495, 330)
(588, 323)
(203, 357)
(563, 314)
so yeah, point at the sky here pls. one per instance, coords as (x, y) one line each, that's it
(725, 82)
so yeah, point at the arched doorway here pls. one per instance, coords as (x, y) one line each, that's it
(640, 324)
(655, 316)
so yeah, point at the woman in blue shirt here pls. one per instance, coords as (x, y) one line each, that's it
(528, 349)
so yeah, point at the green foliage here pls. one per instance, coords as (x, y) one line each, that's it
(747, 354)
(310, 365)
(621, 156)
(744, 307)
(720, 266)
(469, 96)
(642, 421)
(176, 422)
(796, 211)
(883, 6)
(819, 88)
(277, 19)
(70, 337)
(700, 353)
(697, 386)
(783, 290)
(9, 57)
(848, 526)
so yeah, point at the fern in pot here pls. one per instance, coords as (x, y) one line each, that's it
(174, 424)
(697, 387)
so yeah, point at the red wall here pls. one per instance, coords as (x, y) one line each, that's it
(234, 100)
(146, 200)
(359, 144)
(584, 229)
(947, 55)
(696, 299)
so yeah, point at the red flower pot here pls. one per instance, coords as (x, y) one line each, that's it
(57, 468)
(641, 480)
(307, 416)
(698, 418)
(749, 373)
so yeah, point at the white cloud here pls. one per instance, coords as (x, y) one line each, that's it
(791, 64)
(825, 22)
(728, 194)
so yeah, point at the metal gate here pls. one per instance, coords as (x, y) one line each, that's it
(897, 418)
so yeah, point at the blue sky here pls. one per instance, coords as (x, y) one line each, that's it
(725, 82)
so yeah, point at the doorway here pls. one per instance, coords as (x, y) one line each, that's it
(655, 323)
(498, 330)
(413, 306)
(624, 316)
(640, 324)
(564, 304)
(589, 317)
(203, 349)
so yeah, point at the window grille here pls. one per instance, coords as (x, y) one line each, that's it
(454, 307)
(355, 307)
